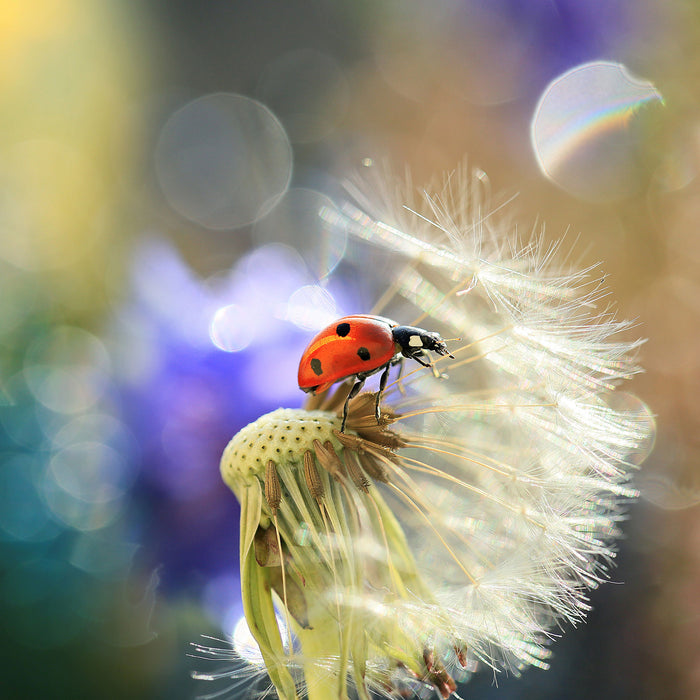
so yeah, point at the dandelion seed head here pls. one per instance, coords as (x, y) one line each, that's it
(466, 527)
(281, 436)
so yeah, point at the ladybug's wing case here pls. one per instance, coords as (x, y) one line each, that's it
(351, 345)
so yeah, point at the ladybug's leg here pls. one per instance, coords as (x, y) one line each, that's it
(382, 386)
(418, 358)
(399, 384)
(353, 392)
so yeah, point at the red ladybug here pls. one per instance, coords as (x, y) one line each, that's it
(359, 346)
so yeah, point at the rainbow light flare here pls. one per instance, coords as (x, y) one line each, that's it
(580, 107)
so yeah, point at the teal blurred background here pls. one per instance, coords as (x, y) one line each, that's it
(162, 264)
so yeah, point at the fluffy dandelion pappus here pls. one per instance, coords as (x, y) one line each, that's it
(463, 524)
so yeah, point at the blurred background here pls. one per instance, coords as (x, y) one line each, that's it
(162, 265)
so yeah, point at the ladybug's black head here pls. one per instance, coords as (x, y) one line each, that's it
(412, 341)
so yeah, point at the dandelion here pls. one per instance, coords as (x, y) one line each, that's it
(463, 529)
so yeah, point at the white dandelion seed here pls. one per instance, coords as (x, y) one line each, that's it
(465, 528)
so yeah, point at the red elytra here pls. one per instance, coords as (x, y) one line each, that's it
(336, 352)
(359, 346)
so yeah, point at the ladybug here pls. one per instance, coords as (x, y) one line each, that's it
(360, 346)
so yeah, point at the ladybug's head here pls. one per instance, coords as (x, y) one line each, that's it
(412, 341)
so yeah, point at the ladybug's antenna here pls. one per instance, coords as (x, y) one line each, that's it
(445, 351)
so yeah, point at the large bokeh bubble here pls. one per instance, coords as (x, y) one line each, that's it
(583, 130)
(223, 161)
(66, 368)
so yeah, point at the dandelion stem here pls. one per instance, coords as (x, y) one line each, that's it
(341, 631)
(319, 659)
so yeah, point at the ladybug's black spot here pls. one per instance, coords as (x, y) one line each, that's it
(363, 353)
(342, 329)
(316, 367)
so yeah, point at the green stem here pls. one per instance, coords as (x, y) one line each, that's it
(323, 680)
